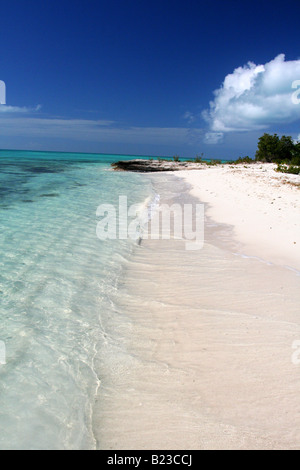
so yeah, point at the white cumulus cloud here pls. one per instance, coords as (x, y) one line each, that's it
(255, 97)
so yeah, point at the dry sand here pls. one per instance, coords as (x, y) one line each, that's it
(204, 357)
(262, 205)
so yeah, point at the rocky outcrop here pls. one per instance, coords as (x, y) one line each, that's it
(150, 166)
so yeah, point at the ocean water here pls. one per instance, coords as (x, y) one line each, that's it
(58, 286)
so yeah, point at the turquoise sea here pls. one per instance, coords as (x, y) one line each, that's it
(58, 286)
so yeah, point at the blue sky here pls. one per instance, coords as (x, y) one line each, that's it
(141, 77)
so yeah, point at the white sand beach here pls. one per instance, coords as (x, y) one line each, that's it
(204, 359)
(262, 205)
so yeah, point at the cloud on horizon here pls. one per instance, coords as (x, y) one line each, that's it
(101, 131)
(5, 109)
(254, 97)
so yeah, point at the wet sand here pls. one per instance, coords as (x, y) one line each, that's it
(203, 358)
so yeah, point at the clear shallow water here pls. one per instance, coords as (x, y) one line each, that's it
(56, 281)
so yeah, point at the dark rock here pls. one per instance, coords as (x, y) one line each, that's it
(150, 166)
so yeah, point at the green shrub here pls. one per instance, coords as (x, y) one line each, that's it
(199, 159)
(244, 160)
(291, 169)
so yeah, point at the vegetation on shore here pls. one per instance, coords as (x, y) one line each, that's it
(283, 151)
(271, 149)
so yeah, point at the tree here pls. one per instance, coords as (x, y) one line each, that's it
(285, 148)
(267, 148)
(296, 155)
(273, 149)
